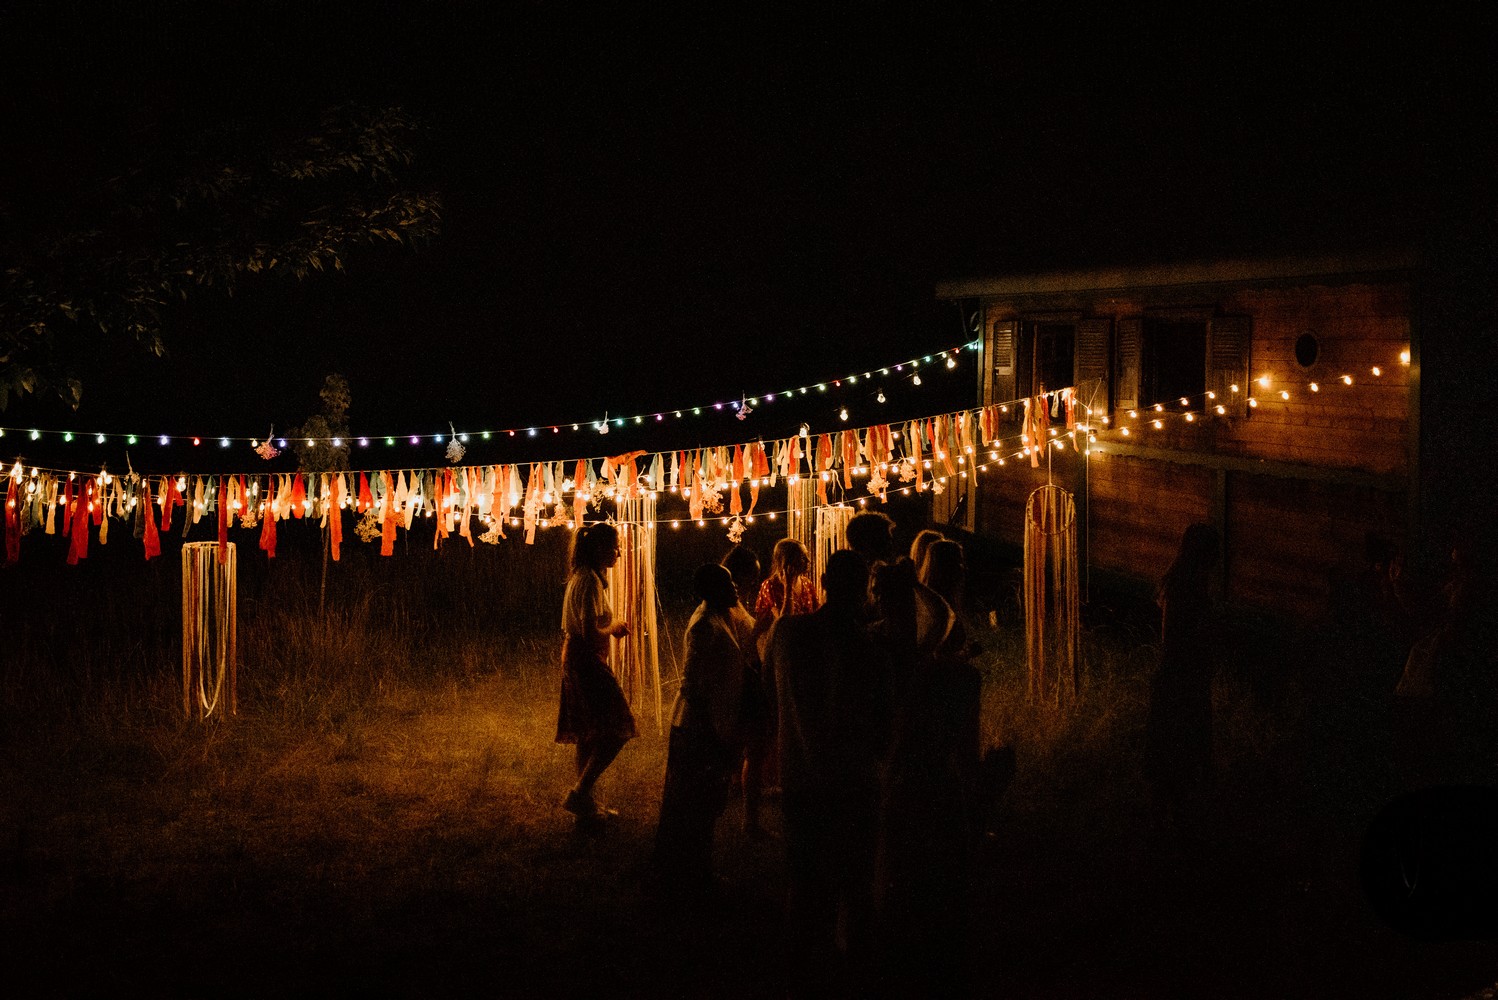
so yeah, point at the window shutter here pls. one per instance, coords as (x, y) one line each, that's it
(1126, 386)
(1227, 362)
(1091, 361)
(1001, 344)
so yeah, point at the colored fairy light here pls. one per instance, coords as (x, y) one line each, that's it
(281, 443)
(916, 380)
(68, 436)
(36, 434)
(364, 442)
(842, 414)
(463, 438)
(390, 441)
(162, 439)
(130, 439)
(197, 441)
(99, 438)
(951, 362)
(223, 442)
(485, 435)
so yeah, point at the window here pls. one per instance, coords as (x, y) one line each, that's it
(1053, 346)
(1160, 359)
(1173, 362)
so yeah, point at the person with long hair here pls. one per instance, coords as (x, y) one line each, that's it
(786, 591)
(704, 740)
(593, 713)
(1178, 733)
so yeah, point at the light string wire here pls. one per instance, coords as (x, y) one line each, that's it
(999, 450)
(897, 369)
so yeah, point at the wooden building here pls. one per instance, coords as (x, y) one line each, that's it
(1278, 399)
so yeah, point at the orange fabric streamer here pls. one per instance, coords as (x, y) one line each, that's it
(223, 519)
(298, 495)
(366, 498)
(12, 526)
(152, 537)
(78, 544)
(335, 517)
(387, 529)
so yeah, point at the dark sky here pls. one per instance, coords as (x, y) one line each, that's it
(644, 212)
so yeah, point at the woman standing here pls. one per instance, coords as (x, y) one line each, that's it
(1178, 734)
(786, 591)
(704, 737)
(593, 713)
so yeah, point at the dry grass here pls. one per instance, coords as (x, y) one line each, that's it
(382, 817)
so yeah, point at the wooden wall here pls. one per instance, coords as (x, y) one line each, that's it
(1337, 455)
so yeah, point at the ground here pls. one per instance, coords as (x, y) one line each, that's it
(416, 847)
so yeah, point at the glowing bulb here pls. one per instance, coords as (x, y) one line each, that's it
(881, 395)
(1190, 417)
(1264, 381)
(1377, 371)
(842, 414)
(1221, 410)
(223, 442)
(1185, 401)
(1347, 380)
(99, 438)
(37, 434)
(1315, 387)
(1252, 401)
(1404, 357)
(916, 380)
(1157, 424)
(1284, 394)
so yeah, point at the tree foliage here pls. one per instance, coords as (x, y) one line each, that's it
(235, 200)
(313, 442)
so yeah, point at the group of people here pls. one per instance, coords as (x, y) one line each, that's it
(859, 703)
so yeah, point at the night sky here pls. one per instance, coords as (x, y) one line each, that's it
(644, 213)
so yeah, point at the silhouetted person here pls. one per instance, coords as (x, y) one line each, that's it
(1450, 682)
(1178, 734)
(704, 738)
(923, 541)
(593, 713)
(835, 717)
(931, 813)
(757, 707)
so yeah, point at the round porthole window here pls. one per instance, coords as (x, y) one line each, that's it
(1307, 349)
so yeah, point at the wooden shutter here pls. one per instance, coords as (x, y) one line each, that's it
(1126, 383)
(1001, 345)
(1227, 362)
(1090, 366)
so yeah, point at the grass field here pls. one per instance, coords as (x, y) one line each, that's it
(381, 818)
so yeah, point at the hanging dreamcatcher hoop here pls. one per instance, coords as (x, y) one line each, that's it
(632, 592)
(209, 628)
(1051, 595)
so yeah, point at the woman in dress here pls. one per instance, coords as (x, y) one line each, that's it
(704, 737)
(593, 713)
